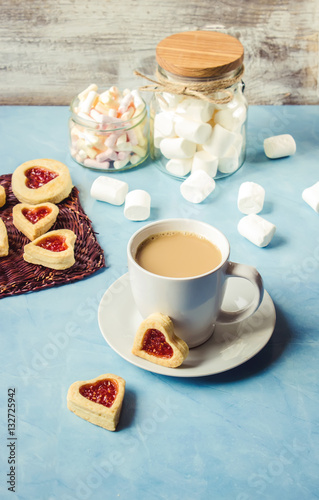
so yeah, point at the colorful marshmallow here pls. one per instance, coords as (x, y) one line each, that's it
(104, 125)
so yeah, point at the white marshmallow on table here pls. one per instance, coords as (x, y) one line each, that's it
(197, 186)
(279, 146)
(220, 141)
(177, 147)
(229, 163)
(191, 130)
(196, 109)
(202, 160)
(256, 229)
(179, 167)
(137, 205)
(251, 198)
(109, 189)
(311, 196)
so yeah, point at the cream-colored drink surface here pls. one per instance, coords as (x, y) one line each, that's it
(178, 254)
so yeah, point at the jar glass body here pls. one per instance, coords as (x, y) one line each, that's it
(201, 134)
(109, 145)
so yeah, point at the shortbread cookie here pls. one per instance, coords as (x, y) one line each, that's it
(156, 341)
(99, 400)
(39, 181)
(34, 220)
(2, 196)
(54, 249)
(4, 243)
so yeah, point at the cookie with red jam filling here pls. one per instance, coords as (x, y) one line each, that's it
(156, 341)
(99, 400)
(39, 181)
(54, 249)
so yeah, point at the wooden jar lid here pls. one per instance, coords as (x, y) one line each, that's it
(200, 54)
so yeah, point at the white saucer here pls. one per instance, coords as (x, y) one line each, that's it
(229, 346)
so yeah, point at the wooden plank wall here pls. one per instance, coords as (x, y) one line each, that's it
(51, 50)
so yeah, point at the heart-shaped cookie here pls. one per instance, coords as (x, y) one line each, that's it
(54, 249)
(4, 243)
(34, 220)
(40, 181)
(2, 196)
(156, 341)
(99, 400)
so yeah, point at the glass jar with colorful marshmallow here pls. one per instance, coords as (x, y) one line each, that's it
(108, 130)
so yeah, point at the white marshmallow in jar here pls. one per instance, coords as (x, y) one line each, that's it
(109, 129)
(198, 111)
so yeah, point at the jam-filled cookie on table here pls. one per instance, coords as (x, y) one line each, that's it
(40, 181)
(34, 220)
(156, 341)
(54, 249)
(4, 243)
(99, 400)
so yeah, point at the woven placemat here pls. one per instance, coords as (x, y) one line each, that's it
(18, 276)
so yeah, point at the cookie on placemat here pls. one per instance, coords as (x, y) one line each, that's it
(4, 243)
(2, 196)
(156, 341)
(99, 400)
(34, 220)
(54, 249)
(39, 181)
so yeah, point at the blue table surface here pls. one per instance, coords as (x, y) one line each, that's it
(250, 432)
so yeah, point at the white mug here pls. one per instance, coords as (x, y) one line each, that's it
(193, 303)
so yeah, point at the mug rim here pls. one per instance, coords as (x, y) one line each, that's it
(173, 220)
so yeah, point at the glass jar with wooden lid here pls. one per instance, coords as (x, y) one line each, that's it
(198, 110)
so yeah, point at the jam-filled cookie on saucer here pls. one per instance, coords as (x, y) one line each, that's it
(156, 341)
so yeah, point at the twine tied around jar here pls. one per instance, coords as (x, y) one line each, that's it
(201, 90)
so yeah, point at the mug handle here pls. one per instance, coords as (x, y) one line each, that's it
(251, 274)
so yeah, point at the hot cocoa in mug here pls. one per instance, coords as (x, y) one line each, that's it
(179, 267)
